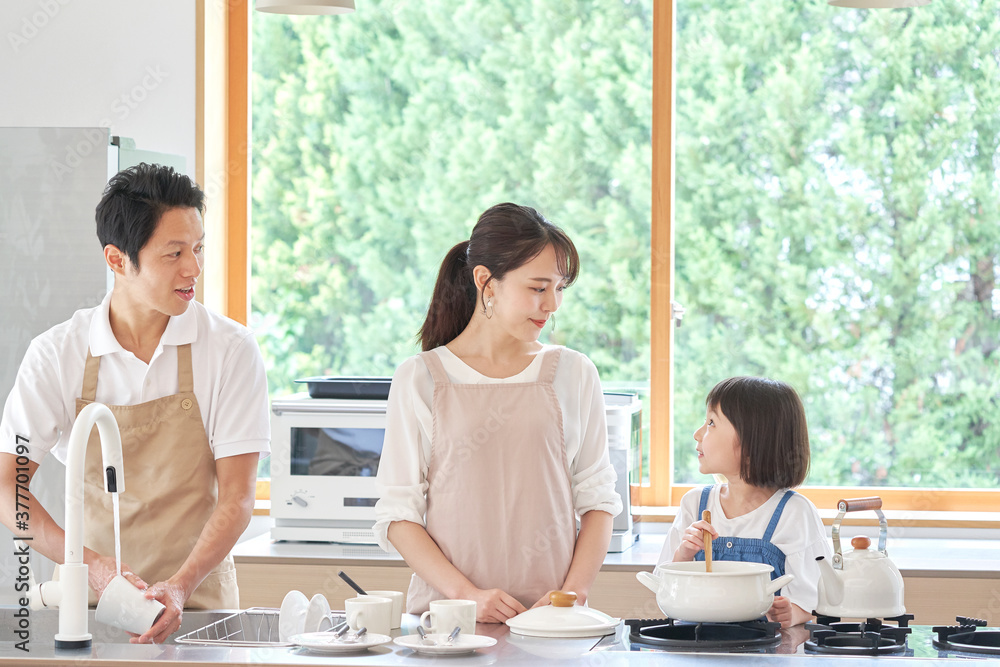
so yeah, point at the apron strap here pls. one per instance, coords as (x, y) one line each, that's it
(185, 377)
(90, 373)
(435, 366)
(550, 363)
(703, 505)
(777, 515)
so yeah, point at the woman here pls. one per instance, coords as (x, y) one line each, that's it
(494, 442)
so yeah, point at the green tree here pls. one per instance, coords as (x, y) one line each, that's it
(837, 208)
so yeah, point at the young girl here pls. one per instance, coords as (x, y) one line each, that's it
(755, 435)
(495, 443)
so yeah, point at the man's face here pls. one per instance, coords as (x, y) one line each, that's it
(169, 263)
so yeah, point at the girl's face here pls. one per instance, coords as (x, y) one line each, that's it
(527, 296)
(718, 445)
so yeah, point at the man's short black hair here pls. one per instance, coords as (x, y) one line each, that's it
(136, 198)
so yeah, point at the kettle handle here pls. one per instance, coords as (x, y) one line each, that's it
(857, 505)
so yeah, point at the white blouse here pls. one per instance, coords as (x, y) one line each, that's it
(402, 473)
(799, 534)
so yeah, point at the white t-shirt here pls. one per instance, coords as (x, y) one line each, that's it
(229, 380)
(800, 535)
(402, 473)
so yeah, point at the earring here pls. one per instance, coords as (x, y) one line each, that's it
(489, 306)
(553, 318)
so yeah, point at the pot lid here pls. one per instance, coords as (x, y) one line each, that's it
(563, 618)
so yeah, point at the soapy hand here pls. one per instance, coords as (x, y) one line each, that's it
(172, 596)
(692, 541)
(102, 569)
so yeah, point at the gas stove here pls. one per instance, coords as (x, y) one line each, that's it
(888, 637)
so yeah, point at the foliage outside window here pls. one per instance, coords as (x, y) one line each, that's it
(838, 227)
(380, 136)
(835, 184)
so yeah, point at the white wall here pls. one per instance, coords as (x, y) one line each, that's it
(124, 64)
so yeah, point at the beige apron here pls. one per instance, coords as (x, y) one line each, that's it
(499, 501)
(170, 488)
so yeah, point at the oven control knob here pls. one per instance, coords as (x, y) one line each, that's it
(300, 500)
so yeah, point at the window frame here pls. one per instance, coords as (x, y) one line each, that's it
(223, 161)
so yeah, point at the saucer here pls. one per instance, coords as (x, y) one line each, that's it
(463, 644)
(292, 617)
(318, 614)
(325, 642)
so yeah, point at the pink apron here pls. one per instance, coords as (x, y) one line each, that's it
(499, 501)
(170, 488)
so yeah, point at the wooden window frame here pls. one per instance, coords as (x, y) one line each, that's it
(222, 140)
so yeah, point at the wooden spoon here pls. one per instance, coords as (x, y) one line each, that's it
(706, 516)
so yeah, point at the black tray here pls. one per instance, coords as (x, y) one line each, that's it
(372, 388)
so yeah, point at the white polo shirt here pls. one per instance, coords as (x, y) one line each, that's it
(229, 380)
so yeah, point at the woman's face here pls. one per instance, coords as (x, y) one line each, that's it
(527, 296)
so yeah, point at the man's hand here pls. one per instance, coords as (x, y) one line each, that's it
(102, 569)
(172, 596)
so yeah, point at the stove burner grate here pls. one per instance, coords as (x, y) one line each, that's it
(964, 637)
(870, 637)
(688, 636)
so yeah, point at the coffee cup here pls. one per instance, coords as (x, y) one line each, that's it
(125, 607)
(369, 611)
(444, 615)
(397, 605)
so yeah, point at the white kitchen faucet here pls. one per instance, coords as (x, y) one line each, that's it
(69, 594)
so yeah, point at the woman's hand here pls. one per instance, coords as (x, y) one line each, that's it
(692, 541)
(494, 605)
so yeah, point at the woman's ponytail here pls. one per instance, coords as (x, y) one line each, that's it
(453, 301)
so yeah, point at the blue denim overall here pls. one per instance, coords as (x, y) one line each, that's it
(746, 549)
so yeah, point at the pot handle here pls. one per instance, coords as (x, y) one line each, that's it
(649, 580)
(859, 504)
(779, 582)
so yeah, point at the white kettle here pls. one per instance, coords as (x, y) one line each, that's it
(862, 583)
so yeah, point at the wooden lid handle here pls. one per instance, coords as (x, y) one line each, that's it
(860, 542)
(562, 598)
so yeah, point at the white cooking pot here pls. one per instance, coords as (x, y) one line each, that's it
(733, 591)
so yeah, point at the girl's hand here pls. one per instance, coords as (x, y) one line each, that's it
(494, 605)
(780, 611)
(692, 541)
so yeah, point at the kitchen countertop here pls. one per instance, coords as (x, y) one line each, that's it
(510, 650)
(915, 557)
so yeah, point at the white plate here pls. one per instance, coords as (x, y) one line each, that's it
(317, 615)
(566, 633)
(463, 643)
(292, 617)
(325, 642)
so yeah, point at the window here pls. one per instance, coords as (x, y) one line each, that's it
(836, 227)
(804, 148)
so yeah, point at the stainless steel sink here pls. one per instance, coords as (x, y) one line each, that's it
(45, 624)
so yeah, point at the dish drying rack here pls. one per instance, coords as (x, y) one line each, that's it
(253, 627)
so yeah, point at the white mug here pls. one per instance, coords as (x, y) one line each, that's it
(126, 607)
(368, 611)
(444, 615)
(397, 605)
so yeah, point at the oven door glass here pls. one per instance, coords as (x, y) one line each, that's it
(336, 452)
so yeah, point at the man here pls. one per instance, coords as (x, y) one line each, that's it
(189, 392)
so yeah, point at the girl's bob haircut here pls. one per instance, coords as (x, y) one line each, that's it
(770, 423)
